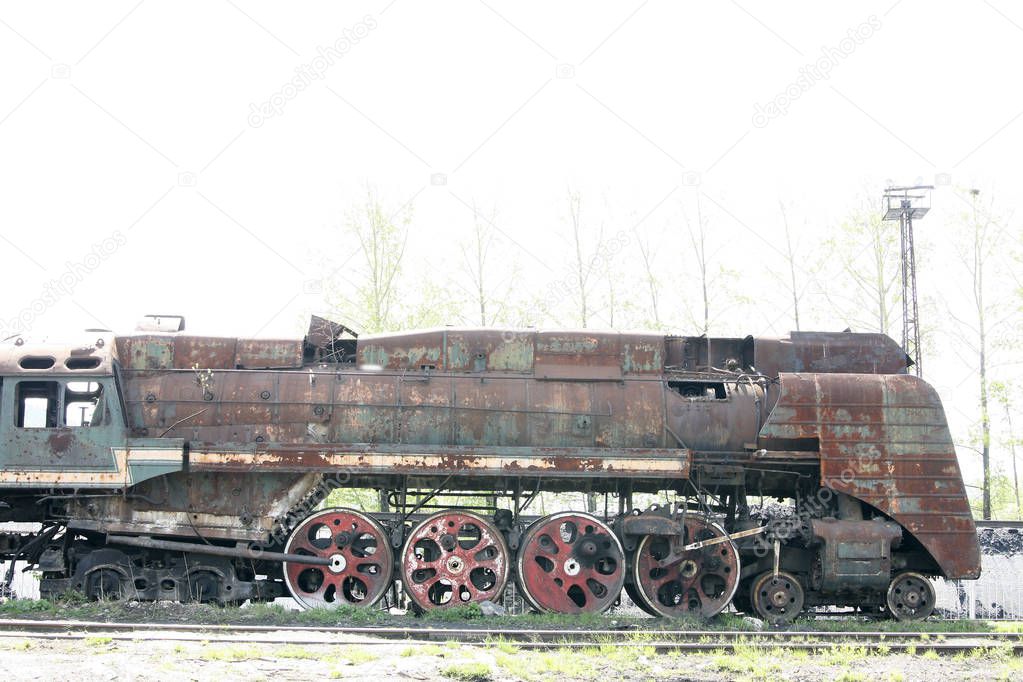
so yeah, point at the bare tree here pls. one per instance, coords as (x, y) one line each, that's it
(490, 277)
(585, 265)
(867, 251)
(648, 256)
(381, 235)
(717, 295)
(612, 293)
(790, 258)
(981, 242)
(698, 240)
(1002, 393)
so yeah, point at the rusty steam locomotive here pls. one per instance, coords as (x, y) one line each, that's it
(163, 465)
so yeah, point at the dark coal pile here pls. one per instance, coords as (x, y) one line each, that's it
(1000, 541)
(772, 510)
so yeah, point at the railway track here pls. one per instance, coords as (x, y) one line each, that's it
(661, 641)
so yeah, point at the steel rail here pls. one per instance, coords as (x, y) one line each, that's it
(658, 646)
(704, 640)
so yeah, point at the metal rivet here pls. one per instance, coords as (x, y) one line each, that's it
(318, 410)
(207, 396)
(265, 395)
(150, 398)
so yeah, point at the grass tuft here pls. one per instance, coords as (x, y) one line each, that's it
(98, 641)
(424, 650)
(455, 613)
(468, 672)
(356, 656)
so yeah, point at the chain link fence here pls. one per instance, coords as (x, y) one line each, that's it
(997, 595)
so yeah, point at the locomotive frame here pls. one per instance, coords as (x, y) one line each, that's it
(199, 470)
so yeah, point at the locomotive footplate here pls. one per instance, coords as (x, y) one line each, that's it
(374, 459)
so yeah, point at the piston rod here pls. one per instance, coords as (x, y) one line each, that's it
(216, 550)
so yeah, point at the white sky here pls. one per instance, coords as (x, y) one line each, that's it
(135, 117)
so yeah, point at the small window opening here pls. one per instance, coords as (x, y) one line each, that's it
(82, 363)
(700, 390)
(36, 362)
(83, 401)
(36, 404)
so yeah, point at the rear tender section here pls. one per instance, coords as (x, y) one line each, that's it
(884, 439)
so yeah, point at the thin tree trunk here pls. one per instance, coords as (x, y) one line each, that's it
(1012, 451)
(792, 265)
(985, 427)
(703, 271)
(985, 418)
(651, 282)
(581, 272)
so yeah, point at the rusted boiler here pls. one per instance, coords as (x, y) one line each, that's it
(163, 465)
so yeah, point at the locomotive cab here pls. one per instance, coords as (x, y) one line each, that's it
(69, 417)
(59, 410)
(63, 422)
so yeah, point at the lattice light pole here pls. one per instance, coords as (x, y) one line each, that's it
(907, 204)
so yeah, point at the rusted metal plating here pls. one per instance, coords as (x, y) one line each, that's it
(884, 439)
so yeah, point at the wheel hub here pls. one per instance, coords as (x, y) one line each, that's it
(688, 568)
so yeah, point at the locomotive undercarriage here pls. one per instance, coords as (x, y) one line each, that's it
(712, 545)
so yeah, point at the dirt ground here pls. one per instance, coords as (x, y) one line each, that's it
(100, 658)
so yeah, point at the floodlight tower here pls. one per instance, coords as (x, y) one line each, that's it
(907, 204)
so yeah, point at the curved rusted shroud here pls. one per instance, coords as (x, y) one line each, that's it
(884, 439)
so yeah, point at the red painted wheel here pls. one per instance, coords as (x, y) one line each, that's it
(673, 582)
(454, 558)
(570, 563)
(361, 560)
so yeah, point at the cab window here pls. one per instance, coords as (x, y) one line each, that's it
(52, 404)
(83, 404)
(36, 403)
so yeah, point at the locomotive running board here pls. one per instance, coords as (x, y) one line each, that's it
(368, 458)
